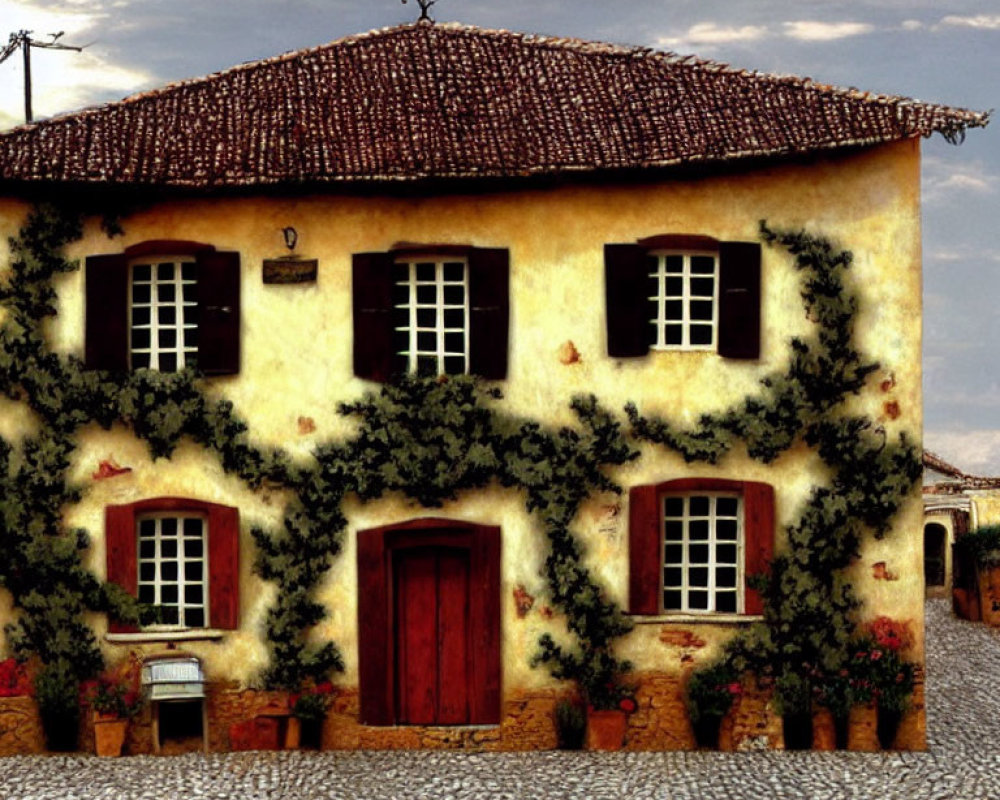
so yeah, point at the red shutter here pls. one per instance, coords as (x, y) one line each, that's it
(372, 299)
(644, 556)
(758, 512)
(120, 555)
(739, 300)
(223, 567)
(106, 321)
(374, 653)
(626, 287)
(489, 312)
(219, 313)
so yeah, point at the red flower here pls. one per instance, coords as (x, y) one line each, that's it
(876, 655)
(734, 688)
(628, 705)
(861, 654)
(324, 688)
(293, 699)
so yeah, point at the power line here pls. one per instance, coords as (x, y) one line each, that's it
(22, 39)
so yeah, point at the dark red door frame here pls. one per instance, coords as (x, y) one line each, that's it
(376, 612)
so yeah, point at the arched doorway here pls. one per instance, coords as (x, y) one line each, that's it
(935, 542)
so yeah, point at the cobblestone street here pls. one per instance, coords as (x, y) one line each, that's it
(962, 762)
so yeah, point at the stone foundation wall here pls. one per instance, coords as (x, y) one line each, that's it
(20, 727)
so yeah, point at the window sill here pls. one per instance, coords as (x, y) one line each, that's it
(152, 637)
(710, 619)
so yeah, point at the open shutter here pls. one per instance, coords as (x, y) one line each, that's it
(120, 555)
(489, 312)
(739, 299)
(644, 555)
(372, 298)
(223, 567)
(758, 512)
(374, 676)
(626, 286)
(219, 313)
(106, 346)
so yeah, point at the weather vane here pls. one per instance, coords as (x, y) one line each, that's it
(23, 40)
(424, 9)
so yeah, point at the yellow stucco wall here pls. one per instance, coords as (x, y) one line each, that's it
(296, 345)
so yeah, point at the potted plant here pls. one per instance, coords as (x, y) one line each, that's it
(832, 705)
(571, 724)
(309, 706)
(709, 696)
(881, 677)
(113, 698)
(793, 699)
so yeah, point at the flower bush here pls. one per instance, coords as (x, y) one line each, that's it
(878, 670)
(711, 691)
(113, 693)
(310, 704)
(14, 679)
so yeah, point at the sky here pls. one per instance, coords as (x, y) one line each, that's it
(941, 51)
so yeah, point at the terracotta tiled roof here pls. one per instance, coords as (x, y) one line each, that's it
(963, 480)
(938, 464)
(422, 100)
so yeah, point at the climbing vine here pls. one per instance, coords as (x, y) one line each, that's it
(803, 642)
(431, 440)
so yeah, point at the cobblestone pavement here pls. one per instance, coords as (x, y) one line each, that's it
(962, 762)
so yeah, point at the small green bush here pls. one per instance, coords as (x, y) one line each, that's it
(571, 725)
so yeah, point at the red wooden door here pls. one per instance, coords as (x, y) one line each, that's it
(432, 637)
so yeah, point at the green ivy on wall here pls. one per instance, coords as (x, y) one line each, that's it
(431, 440)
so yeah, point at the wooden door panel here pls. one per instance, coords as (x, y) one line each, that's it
(453, 637)
(417, 637)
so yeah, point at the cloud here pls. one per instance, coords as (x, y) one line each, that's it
(945, 181)
(709, 33)
(986, 21)
(912, 25)
(816, 31)
(974, 451)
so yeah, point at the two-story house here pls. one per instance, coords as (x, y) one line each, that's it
(555, 216)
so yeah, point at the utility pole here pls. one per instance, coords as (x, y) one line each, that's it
(23, 40)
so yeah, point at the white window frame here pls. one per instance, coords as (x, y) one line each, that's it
(181, 560)
(184, 355)
(711, 564)
(660, 299)
(413, 353)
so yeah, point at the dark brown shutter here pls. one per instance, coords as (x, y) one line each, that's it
(223, 567)
(626, 287)
(219, 313)
(739, 299)
(120, 555)
(106, 321)
(644, 555)
(374, 637)
(372, 300)
(758, 512)
(489, 312)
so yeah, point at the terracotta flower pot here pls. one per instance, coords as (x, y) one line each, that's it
(824, 730)
(605, 729)
(109, 735)
(862, 733)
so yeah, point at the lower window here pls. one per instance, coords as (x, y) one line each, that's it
(172, 568)
(178, 554)
(694, 544)
(702, 553)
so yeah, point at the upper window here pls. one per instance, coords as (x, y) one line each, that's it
(694, 542)
(178, 554)
(431, 310)
(164, 305)
(683, 292)
(685, 300)
(163, 314)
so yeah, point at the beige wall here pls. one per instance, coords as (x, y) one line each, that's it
(296, 343)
